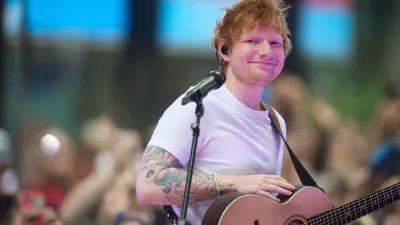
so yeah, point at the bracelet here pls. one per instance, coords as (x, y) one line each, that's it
(217, 187)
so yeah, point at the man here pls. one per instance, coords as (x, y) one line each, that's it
(238, 149)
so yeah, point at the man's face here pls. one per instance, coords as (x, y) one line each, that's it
(258, 56)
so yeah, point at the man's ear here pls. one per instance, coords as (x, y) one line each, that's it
(223, 50)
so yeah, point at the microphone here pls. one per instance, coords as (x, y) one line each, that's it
(214, 80)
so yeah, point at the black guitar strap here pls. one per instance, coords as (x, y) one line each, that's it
(303, 174)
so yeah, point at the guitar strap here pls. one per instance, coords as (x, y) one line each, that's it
(303, 174)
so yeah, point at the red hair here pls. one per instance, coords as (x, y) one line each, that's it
(247, 15)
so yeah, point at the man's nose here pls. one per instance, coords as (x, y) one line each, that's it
(264, 48)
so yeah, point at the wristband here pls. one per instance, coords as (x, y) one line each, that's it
(217, 187)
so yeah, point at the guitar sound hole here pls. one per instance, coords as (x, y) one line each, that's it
(296, 222)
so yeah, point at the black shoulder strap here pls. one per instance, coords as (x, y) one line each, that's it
(303, 174)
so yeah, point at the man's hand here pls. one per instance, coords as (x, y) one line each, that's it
(261, 185)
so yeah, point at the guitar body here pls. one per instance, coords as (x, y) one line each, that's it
(249, 209)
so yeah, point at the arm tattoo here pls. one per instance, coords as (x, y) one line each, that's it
(168, 179)
(167, 173)
(150, 173)
(149, 166)
(153, 153)
(202, 186)
(157, 157)
(176, 163)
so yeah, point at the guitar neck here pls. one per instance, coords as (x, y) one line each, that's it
(359, 208)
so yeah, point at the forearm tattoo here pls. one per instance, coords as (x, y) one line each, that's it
(166, 171)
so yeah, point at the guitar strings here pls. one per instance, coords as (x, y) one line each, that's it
(333, 217)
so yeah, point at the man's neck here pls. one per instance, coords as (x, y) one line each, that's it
(248, 94)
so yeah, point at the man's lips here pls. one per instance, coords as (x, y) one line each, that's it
(268, 63)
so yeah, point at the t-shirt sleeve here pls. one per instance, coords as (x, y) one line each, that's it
(173, 131)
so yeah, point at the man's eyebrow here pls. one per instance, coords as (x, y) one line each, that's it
(278, 36)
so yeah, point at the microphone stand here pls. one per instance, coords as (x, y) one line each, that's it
(196, 132)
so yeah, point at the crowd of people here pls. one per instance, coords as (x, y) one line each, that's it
(90, 181)
(347, 160)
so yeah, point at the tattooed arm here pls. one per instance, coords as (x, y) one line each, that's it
(161, 180)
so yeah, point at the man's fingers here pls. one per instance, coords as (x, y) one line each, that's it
(276, 189)
(280, 183)
(267, 195)
(274, 177)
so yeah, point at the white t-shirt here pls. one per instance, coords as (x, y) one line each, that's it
(234, 139)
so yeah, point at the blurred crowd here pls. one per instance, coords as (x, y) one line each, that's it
(348, 161)
(91, 180)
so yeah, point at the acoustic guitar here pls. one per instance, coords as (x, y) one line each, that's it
(307, 205)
